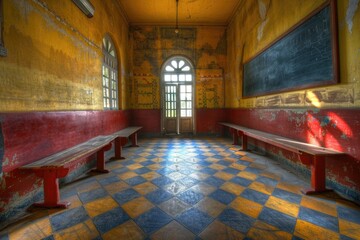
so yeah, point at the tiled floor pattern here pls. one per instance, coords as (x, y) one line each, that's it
(191, 189)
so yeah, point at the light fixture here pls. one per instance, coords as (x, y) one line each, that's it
(177, 17)
(86, 7)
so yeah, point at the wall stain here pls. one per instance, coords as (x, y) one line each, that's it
(350, 13)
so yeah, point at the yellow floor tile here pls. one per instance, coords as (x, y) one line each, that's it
(127, 175)
(210, 206)
(83, 231)
(137, 207)
(219, 231)
(261, 230)
(74, 201)
(308, 230)
(283, 206)
(134, 166)
(155, 166)
(128, 230)
(248, 159)
(271, 175)
(247, 175)
(223, 175)
(240, 153)
(238, 166)
(173, 231)
(145, 188)
(100, 206)
(116, 187)
(260, 187)
(233, 188)
(319, 205)
(247, 207)
(289, 187)
(258, 165)
(37, 229)
(150, 176)
(217, 166)
(349, 229)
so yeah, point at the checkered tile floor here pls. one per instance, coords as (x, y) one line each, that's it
(202, 188)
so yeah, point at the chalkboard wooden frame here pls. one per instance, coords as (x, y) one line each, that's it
(256, 83)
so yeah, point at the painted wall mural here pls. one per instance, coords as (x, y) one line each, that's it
(152, 46)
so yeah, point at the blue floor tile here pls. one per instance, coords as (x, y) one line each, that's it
(288, 196)
(142, 170)
(188, 182)
(231, 170)
(68, 218)
(195, 220)
(126, 196)
(208, 170)
(92, 195)
(162, 181)
(267, 181)
(349, 214)
(214, 181)
(280, 220)
(135, 180)
(253, 170)
(106, 181)
(223, 196)
(190, 197)
(241, 181)
(158, 196)
(152, 220)
(108, 220)
(255, 196)
(319, 219)
(236, 220)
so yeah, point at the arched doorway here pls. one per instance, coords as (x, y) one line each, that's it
(178, 96)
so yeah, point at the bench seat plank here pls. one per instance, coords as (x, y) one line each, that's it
(309, 154)
(121, 138)
(65, 157)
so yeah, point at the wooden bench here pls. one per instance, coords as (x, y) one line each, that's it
(309, 154)
(58, 165)
(121, 138)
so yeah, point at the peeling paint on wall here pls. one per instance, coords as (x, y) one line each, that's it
(264, 21)
(350, 13)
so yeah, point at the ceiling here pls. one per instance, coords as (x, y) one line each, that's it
(191, 12)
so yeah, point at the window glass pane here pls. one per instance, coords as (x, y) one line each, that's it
(174, 64)
(189, 88)
(181, 63)
(182, 96)
(185, 69)
(167, 78)
(182, 78)
(189, 113)
(183, 113)
(169, 69)
(188, 105)
(174, 78)
(188, 96)
(188, 77)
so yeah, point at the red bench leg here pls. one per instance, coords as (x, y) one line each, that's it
(51, 188)
(318, 178)
(244, 142)
(100, 160)
(134, 140)
(119, 142)
(235, 136)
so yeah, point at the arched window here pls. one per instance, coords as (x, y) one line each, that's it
(110, 75)
(178, 96)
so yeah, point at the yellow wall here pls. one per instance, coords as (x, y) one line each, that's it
(151, 46)
(258, 23)
(54, 55)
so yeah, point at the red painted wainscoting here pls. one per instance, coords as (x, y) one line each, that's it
(332, 128)
(33, 135)
(207, 120)
(150, 120)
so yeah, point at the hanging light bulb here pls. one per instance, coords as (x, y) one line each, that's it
(177, 17)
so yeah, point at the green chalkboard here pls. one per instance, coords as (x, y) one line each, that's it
(306, 56)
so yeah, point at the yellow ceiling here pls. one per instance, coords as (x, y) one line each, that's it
(191, 12)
